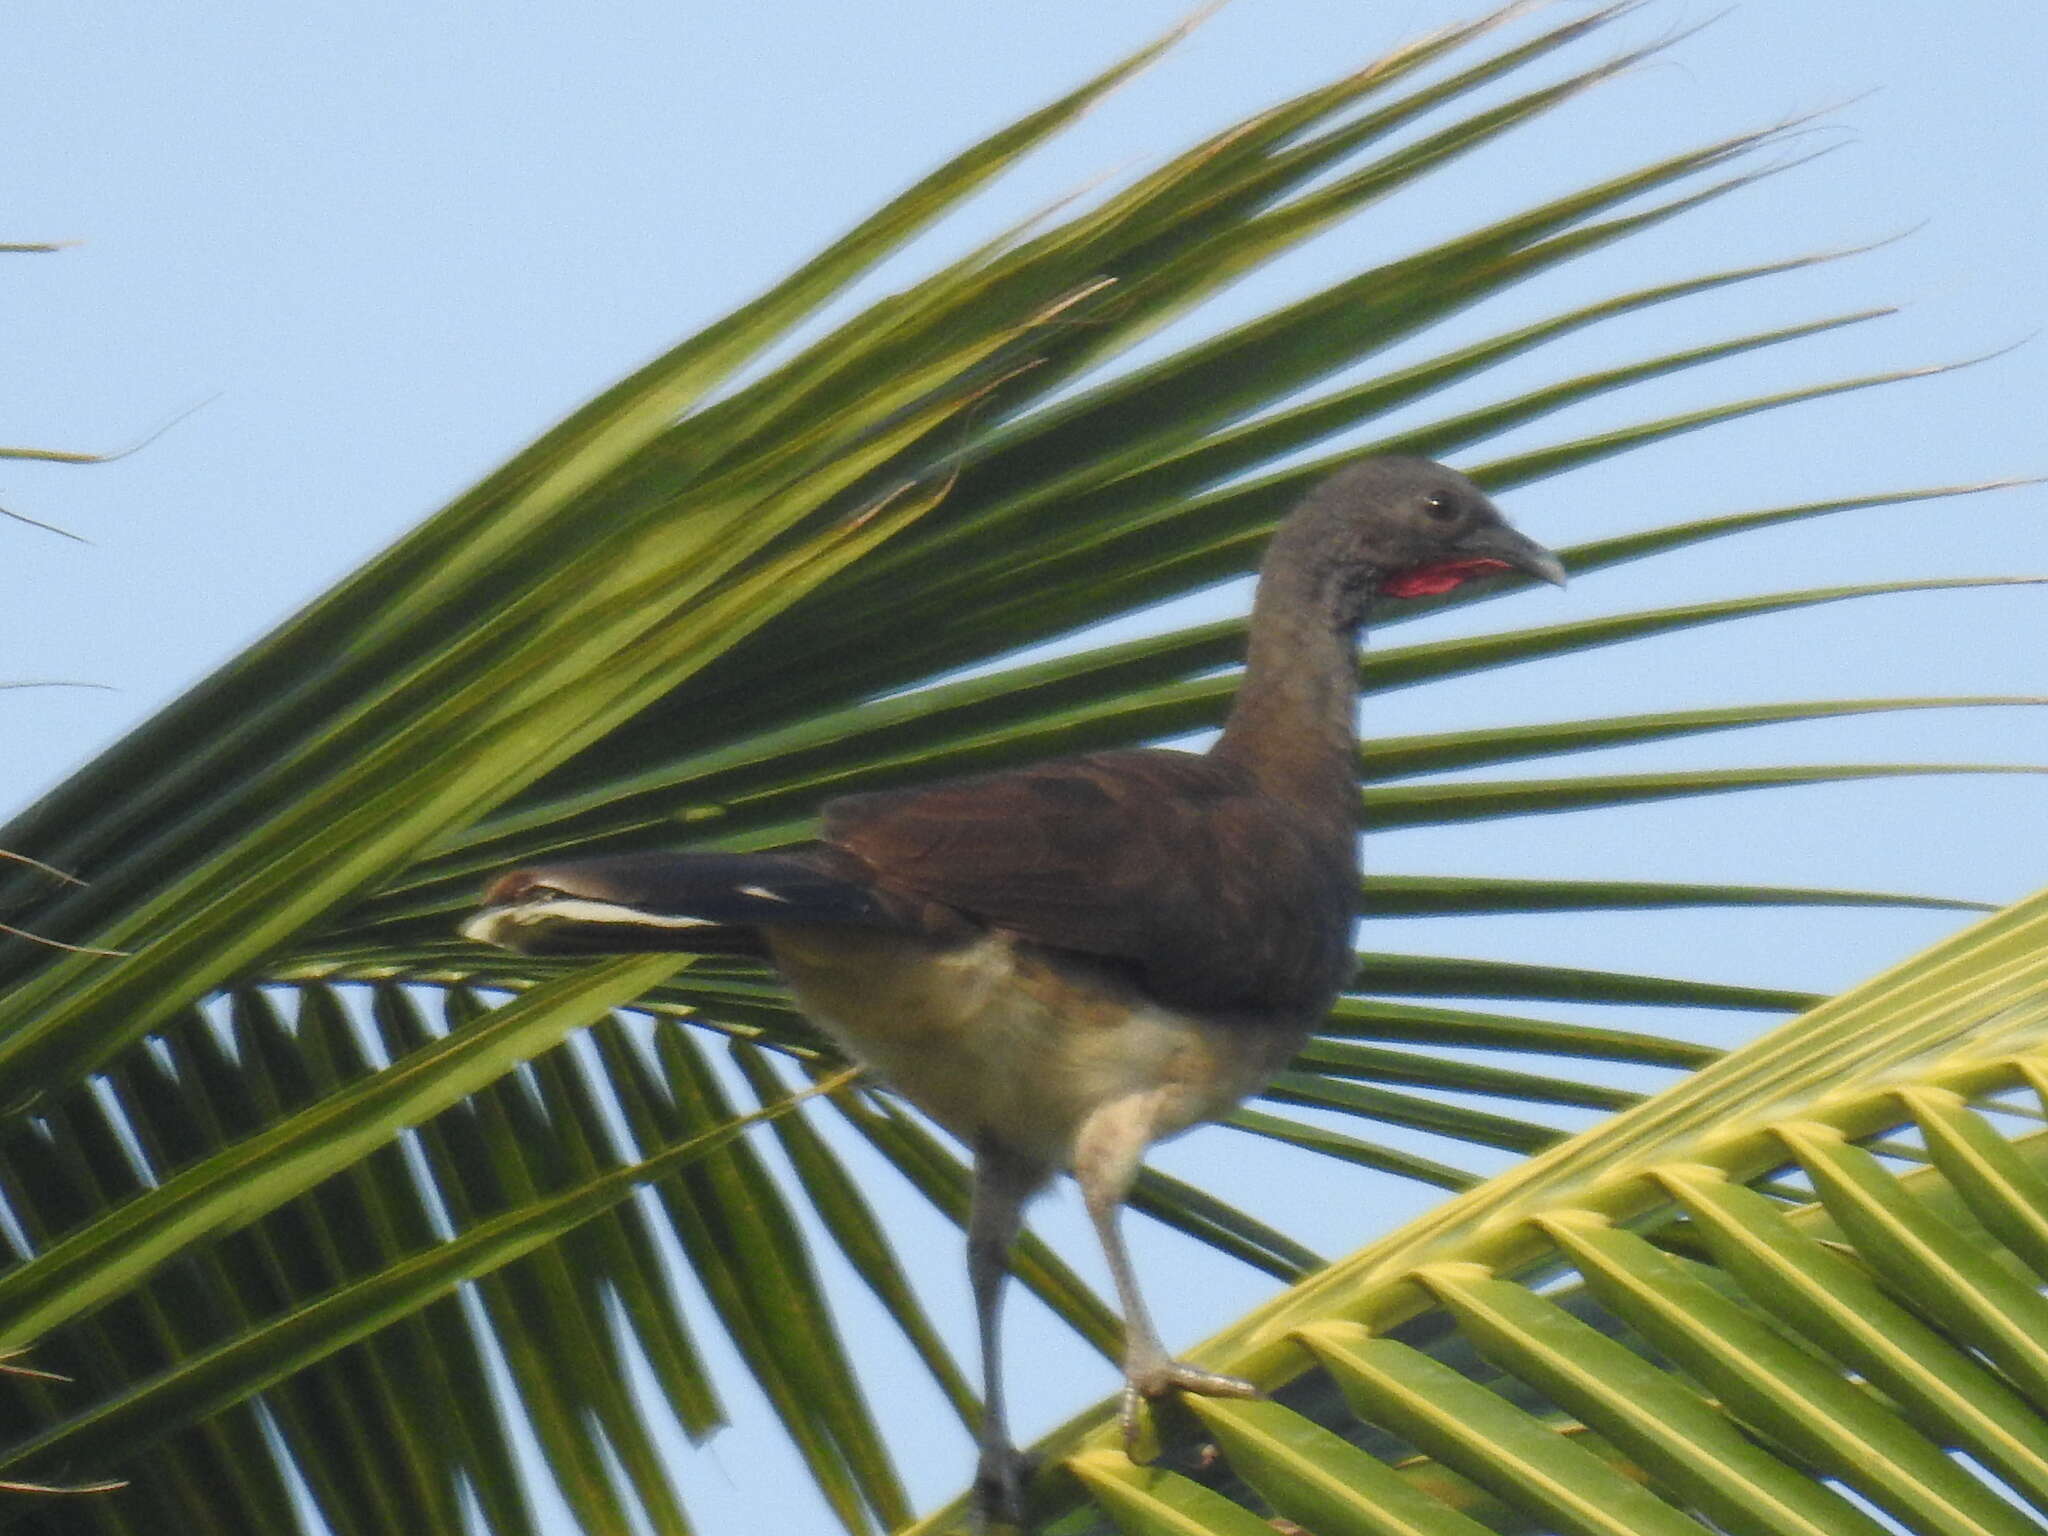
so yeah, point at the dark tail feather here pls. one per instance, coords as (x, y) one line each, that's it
(701, 903)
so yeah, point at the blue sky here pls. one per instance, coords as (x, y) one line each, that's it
(379, 246)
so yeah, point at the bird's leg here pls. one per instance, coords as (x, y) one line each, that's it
(1108, 1152)
(1004, 1183)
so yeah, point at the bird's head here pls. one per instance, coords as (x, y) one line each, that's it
(1402, 527)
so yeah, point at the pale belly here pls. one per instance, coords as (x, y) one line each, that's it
(989, 1042)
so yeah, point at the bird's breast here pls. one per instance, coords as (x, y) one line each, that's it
(1001, 1039)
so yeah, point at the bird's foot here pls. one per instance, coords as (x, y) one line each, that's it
(999, 1489)
(1157, 1379)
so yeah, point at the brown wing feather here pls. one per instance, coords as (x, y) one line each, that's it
(1173, 865)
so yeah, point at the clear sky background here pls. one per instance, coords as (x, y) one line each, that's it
(386, 243)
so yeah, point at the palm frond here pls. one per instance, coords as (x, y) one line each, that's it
(329, 1216)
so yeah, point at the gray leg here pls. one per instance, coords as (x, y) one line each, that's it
(1004, 1183)
(1109, 1151)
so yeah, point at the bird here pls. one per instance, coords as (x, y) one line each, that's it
(1065, 963)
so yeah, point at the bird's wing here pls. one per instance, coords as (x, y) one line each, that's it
(1166, 863)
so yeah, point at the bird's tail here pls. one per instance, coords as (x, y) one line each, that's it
(701, 903)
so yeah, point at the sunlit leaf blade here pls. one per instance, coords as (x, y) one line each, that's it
(1318, 1480)
(1494, 1444)
(1691, 1450)
(1221, 1225)
(1423, 895)
(1937, 1268)
(1371, 1018)
(1350, 1149)
(1843, 1311)
(1433, 976)
(1407, 665)
(1781, 1391)
(1400, 756)
(1144, 1501)
(1366, 1063)
(1447, 804)
(1525, 468)
(1622, 548)
(1411, 1110)
(1996, 1185)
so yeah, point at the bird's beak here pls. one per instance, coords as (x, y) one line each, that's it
(1502, 543)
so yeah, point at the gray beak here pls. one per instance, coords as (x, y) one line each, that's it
(1500, 542)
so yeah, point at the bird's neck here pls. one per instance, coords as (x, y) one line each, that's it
(1294, 725)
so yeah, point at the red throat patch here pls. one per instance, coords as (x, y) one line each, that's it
(1430, 580)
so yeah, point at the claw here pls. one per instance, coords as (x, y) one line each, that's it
(1128, 1417)
(1172, 1376)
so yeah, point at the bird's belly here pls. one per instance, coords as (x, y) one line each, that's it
(989, 1039)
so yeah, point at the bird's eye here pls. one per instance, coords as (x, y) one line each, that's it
(1440, 507)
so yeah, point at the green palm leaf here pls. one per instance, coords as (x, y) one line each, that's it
(320, 1208)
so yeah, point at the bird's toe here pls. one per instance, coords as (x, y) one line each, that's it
(1175, 1376)
(1167, 1376)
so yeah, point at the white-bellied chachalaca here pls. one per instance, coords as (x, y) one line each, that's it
(1064, 963)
